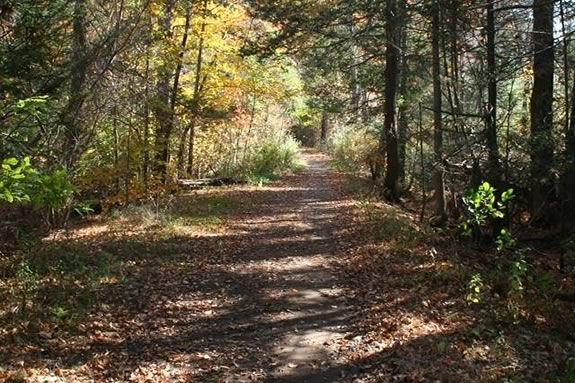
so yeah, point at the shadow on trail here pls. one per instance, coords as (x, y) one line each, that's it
(244, 305)
(215, 307)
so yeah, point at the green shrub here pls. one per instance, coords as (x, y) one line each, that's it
(482, 207)
(352, 149)
(16, 180)
(22, 183)
(474, 289)
(53, 190)
(270, 159)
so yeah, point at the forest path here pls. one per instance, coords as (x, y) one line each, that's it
(257, 298)
(301, 309)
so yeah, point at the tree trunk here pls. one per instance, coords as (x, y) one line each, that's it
(402, 118)
(324, 127)
(181, 153)
(73, 121)
(438, 178)
(568, 175)
(494, 169)
(391, 142)
(196, 95)
(146, 111)
(355, 87)
(542, 182)
(191, 144)
(162, 106)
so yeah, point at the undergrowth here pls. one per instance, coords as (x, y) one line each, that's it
(497, 302)
(268, 160)
(351, 149)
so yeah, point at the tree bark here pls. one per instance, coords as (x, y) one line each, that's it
(196, 95)
(541, 109)
(162, 106)
(324, 127)
(402, 118)
(438, 177)
(389, 146)
(355, 86)
(494, 168)
(146, 111)
(73, 121)
(568, 175)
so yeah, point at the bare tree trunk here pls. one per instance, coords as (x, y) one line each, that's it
(440, 213)
(402, 120)
(542, 182)
(196, 95)
(73, 121)
(181, 167)
(566, 67)
(422, 165)
(494, 169)
(116, 149)
(355, 87)
(180, 65)
(568, 176)
(166, 111)
(146, 143)
(191, 144)
(392, 58)
(324, 127)
(162, 106)
(567, 185)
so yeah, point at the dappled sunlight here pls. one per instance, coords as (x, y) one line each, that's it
(192, 303)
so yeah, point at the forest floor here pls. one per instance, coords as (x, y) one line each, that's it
(298, 281)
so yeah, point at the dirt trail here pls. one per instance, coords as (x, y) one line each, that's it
(302, 309)
(258, 301)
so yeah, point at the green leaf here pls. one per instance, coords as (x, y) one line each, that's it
(9, 197)
(10, 161)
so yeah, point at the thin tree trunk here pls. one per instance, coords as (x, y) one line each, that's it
(402, 118)
(251, 124)
(191, 144)
(73, 121)
(146, 143)
(324, 127)
(440, 213)
(355, 87)
(494, 169)
(162, 106)
(566, 67)
(116, 150)
(127, 176)
(392, 58)
(542, 182)
(181, 152)
(196, 94)
(422, 164)
(568, 175)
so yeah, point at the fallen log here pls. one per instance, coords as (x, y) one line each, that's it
(203, 182)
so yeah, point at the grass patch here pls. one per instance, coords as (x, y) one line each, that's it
(391, 224)
(191, 212)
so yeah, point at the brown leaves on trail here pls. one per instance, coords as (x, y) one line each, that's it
(204, 288)
(239, 286)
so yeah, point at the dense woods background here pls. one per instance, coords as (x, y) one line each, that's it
(124, 95)
(462, 113)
